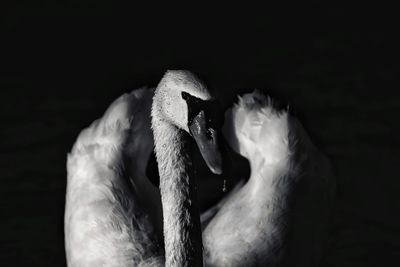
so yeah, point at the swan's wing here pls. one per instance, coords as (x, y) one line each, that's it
(251, 226)
(107, 222)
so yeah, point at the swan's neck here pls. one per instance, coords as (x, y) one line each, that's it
(182, 231)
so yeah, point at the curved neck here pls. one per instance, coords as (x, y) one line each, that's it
(182, 229)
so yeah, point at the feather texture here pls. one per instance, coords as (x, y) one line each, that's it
(105, 223)
(113, 213)
(253, 225)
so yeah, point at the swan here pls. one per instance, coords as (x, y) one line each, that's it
(115, 216)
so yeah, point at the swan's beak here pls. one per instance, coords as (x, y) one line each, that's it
(207, 140)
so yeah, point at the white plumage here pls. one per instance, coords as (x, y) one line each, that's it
(113, 213)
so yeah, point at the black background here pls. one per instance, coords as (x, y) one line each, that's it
(63, 64)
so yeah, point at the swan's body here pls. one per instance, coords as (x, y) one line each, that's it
(267, 221)
(114, 215)
(108, 222)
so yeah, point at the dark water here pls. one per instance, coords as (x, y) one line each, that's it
(62, 66)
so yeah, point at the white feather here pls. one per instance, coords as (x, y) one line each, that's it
(250, 227)
(114, 221)
(105, 225)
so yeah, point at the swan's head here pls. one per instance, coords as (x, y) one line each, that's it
(184, 102)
